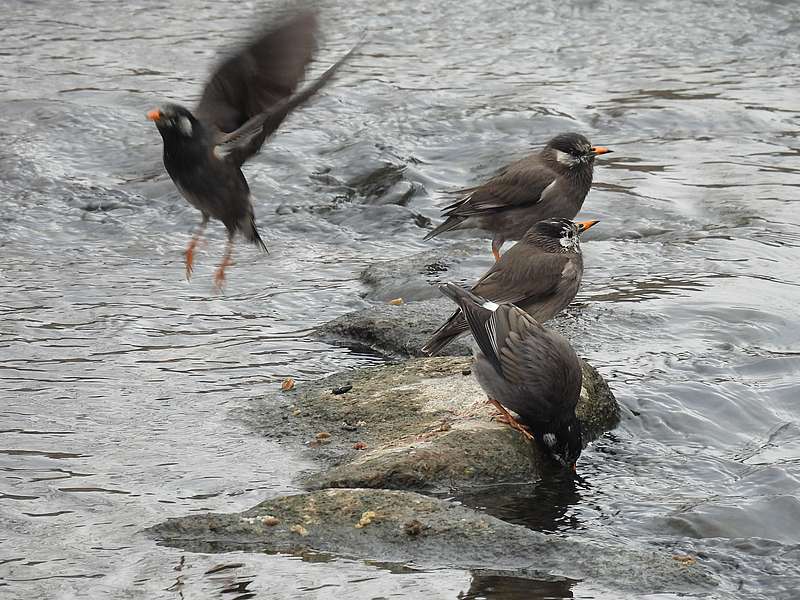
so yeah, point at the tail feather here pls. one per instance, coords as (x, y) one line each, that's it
(449, 224)
(250, 232)
(453, 328)
(479, 314)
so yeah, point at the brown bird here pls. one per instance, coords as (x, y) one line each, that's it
(540, 274)
(245, 100)
(550, 184)
(525, 367)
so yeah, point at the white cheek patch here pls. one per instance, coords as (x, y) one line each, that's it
(564, 158)
(185, 125)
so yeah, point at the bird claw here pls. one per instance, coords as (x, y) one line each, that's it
(505, 417)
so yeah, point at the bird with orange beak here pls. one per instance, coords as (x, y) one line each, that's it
(551, 184)
(245, 100)
(541, 274)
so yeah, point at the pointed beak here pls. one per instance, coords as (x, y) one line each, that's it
(154, 115)
(584, 225)
(598, 150)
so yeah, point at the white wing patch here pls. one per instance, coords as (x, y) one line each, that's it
(549, 439)
(489, 305)
(492, 331)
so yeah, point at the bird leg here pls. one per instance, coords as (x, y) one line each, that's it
(505, 417)
(189, 254)
(497, 243)
(219, 276)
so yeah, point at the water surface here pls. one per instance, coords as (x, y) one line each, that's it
(122, 383)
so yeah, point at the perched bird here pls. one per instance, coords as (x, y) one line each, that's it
(245, 100)
(525, 367)
(540, 274)
(550, 184)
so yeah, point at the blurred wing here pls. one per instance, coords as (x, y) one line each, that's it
(260, 75)
(241, 144)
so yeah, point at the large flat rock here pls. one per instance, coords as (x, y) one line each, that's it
(408, 528)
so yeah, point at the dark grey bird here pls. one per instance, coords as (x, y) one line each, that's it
(541, 274)
(525, 367)
(552, 183)
(245, 100)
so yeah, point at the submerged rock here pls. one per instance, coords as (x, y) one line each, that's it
(404, 527)
(423, 424)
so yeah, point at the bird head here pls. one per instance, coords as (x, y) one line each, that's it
(558, 235)
(564, 444)
(573, 150)
(174, 120)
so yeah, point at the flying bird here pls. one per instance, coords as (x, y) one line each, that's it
(245, 100)
(525, 367)
(552, 183)
(540, 274)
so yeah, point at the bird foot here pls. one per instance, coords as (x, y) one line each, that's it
(189, 260)
(219, 280)
(505, 417)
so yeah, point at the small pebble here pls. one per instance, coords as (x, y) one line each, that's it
(288, 384)
(396, 301)
(466, 372)
(299, 530)
(359, 446)
(366, 519)
(323, 435)
(342, 390)
(270, 521)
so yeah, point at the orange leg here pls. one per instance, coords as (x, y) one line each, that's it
(189, 254)
(506, 417)
(219, 276)
(496, 245)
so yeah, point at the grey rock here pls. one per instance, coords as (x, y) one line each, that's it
(404, 527)
(425, 425)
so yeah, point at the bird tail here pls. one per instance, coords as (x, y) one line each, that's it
(460, 296)
(452, 329)
(449, 224)
(248, 228)
(481, 317)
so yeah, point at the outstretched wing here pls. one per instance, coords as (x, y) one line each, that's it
(260, 75)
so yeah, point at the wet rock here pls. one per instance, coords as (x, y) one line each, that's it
(425, 425)
(394, 330)
(404, 527)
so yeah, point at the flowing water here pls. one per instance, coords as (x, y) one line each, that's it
(121, 383)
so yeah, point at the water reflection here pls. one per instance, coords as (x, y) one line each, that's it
(488, 585)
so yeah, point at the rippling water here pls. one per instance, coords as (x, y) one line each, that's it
(121, 381)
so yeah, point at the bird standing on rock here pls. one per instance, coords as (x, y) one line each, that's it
(550, 184)
(540, 274)
(525, 367)
(245, 100)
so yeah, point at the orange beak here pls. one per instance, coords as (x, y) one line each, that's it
(154, 115)
(584, 225)
(597, 150)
